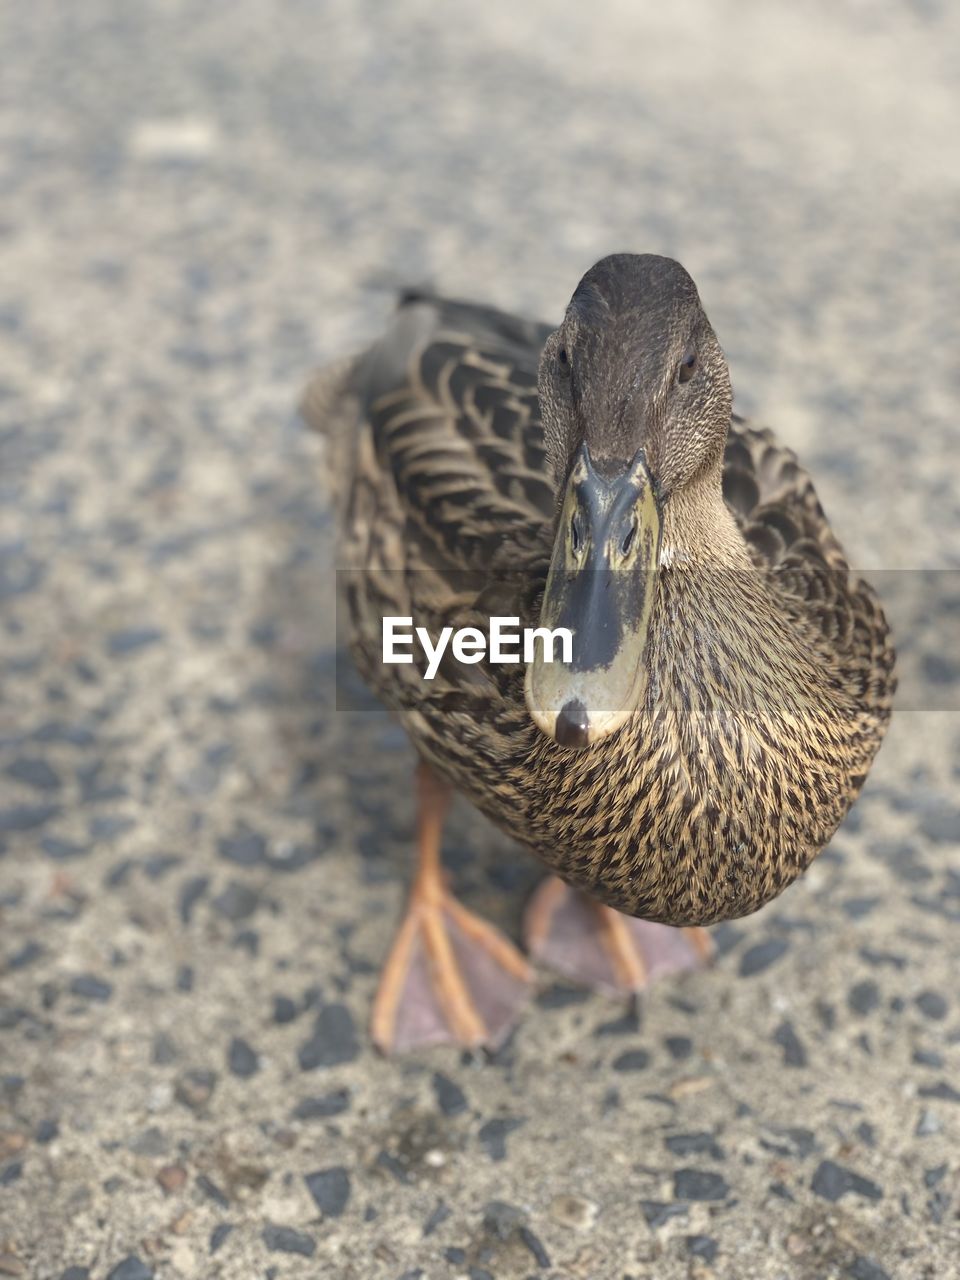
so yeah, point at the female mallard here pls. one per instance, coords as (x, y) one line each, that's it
(729, 683)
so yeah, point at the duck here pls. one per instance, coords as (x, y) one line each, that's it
(728, 679)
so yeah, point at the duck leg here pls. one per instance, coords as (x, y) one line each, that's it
(450, 978)
(601, 948)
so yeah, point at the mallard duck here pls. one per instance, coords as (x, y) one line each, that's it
(729, 680)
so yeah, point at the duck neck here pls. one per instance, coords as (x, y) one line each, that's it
(699, 529)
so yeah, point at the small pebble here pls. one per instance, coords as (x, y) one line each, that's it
(131, 640)
(679, 1047)
(108, 826)
(864, 997)
(330, 1189)
(436, 1218)
(172, 1178)
(212, 1191)
(827, 1014)
(131, 1268)
(574, 1211)
(883, 959)
(36, 773)
(691, 1144)
(247, 940)
(245, 848)
(493, 1136)
(865, 1269)
(62, 850)
(237, 901)
(191, 892)
(26, 955)
(928, 1058)
(90, 987)
(287, 1240)
(393, 1166)
(941, 821)
(334, 1039)
(219, 1234)
(242, 1059)
(501, 1219)
(47, 1130)
(158, 864)
(932, 1005)
(26, 817)
(929, 1123)
(284, 1009)
(704, 1247)
(534, 1245)
(699, 1184)
(859, 908)
(866, 1133)
(942, 1090)
(762, 955)
(632, 1060)
(658, 1213)
(832, 1181)
(11, 1143)
(149, 1142)
(450, 1097)
(194, 1088)
(794, 1053)
(119, 874)
(164, 1051)
(319, 1108)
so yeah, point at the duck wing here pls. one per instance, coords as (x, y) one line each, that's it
(786, 530)
(448, 512)
(449, 398)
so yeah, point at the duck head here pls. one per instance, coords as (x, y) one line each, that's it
(635, 399)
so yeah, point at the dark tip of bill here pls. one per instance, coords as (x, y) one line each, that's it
(573, 725)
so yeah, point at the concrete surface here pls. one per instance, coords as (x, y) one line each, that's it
(201, 860)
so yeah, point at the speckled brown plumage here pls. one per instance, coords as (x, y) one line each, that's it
(770, 670)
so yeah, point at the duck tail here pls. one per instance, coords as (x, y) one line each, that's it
(329, 401)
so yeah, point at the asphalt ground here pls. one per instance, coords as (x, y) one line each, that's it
(202, 859)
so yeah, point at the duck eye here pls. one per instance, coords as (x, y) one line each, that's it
(688, 365)
(564, 360)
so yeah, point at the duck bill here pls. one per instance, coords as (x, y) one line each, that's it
(601, 589)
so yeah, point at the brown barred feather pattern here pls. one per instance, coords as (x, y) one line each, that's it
(768, 691)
